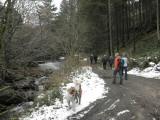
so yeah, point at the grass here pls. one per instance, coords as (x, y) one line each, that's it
(62, 76)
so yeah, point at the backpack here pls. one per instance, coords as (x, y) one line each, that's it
(120, 63)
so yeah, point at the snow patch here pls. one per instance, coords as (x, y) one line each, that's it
(112, 119)
(149, 72)
(81, 115)
(133, 102)
(85, 59)
(50, 66)
(152, 64)
(122, 112)
(93, 88)
(61, 58)
(114, 105)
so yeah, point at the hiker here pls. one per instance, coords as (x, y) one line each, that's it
(91, 59)
(104, 61)
(111, 61)
(117, 68)
(125, 66)
(95, 58)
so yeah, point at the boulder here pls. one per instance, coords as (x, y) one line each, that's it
(133, 63)
(32, 64)
(27, 95)
(9, 96)
(144, 64)
(40, 62)
(2, 107)
(2, 82)
(27, 84)
(11, 76)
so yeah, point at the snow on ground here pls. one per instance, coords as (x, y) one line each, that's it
(93, 88)
(122, 112)
(84, 59)
(150, 72)
(62, 58)
(114, 105)
(112, 119)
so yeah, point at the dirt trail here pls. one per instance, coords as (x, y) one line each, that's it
(137, 99)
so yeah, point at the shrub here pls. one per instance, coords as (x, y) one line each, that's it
(63, 75)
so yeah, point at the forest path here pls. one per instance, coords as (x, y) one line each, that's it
(137, 99)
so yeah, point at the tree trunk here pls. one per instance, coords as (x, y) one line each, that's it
(110, 27)
(158, 36)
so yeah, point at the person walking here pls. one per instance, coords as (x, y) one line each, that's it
(91, 59)
(117, 68)
(111, 61)
(104, 61)
(125, 66)
(95, 57)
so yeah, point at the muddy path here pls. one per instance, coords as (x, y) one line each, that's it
(137, 99)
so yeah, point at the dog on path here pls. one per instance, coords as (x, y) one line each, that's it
(78, 91)
(73, 95)
(70, 97)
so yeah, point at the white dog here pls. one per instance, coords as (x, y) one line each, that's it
(73, 95)
(78, 91)
(70, 97)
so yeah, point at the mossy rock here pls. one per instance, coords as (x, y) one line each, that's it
(9, 96)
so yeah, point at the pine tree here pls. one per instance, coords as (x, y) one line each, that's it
(46, 12)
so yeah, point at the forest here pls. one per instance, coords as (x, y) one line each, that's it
(30, 31)
(36, 31)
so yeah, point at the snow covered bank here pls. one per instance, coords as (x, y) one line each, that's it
(150, 72)
(93, 88)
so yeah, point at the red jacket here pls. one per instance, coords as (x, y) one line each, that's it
(116, 62)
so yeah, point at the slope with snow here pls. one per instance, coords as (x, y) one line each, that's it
(151, 72)
(93, 88)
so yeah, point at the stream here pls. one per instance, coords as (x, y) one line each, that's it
(39, 92)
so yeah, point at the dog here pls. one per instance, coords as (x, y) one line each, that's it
(78, 94)
(70, 97)
(73, 95)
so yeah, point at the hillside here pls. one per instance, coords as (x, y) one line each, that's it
(146, 45)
